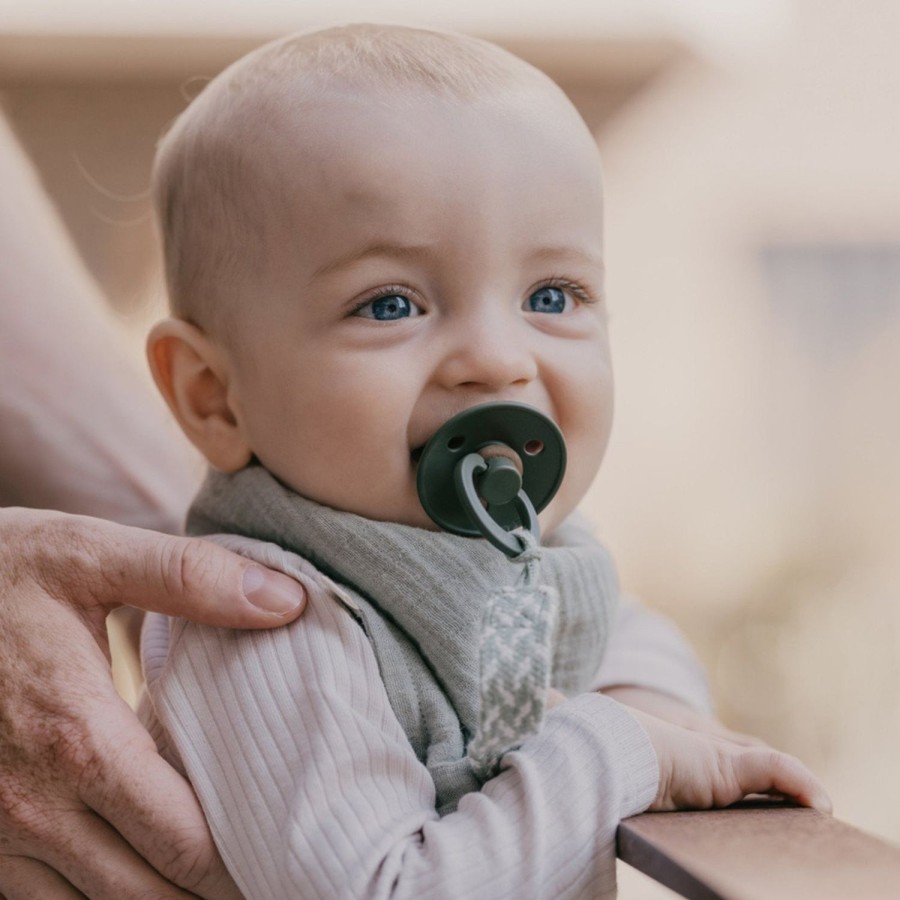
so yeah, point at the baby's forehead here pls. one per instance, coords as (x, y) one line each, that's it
(394, 119)
(366, 149)
(318, 110)
(297, 100)
(315, 124)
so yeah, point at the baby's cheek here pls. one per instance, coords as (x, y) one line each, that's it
(586, 442)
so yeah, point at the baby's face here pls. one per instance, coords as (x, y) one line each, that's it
(432, 257)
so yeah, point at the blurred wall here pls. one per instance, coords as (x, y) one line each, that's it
(752, 487)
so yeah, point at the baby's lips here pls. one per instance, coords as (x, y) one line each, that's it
(420, 443)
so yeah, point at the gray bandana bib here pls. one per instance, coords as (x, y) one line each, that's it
(466, 640)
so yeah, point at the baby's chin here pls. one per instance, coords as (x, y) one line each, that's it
(556, 512)
(549, 519)
(404, 507)
(412, 518)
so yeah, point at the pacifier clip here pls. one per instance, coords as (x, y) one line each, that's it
(488, 472)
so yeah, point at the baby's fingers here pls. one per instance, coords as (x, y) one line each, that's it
(764, 771)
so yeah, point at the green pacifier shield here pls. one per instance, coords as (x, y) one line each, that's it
(488, 429)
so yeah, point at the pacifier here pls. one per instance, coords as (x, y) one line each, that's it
(490, 470)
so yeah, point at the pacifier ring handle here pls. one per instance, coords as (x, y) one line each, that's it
(472, 465)
(520, 459)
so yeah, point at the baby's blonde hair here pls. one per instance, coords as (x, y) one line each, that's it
(212, 189)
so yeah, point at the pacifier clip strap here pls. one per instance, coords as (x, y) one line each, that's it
(516, 660)
(488, 472)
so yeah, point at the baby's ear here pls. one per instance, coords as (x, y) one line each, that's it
(193, 374)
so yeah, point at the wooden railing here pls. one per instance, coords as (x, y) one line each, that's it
(760, 852)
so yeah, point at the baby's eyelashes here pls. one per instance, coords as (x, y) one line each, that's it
(556, 296)
(388, 308)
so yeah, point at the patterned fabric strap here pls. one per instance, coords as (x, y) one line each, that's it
(516, 658)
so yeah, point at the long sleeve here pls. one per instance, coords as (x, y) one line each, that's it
(646, 650)
(80, 429)
(312, 789)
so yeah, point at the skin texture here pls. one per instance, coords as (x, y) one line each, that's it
(457, 214)
(87, 807)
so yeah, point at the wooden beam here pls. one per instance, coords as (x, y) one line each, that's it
(760, 852)
(114, 59)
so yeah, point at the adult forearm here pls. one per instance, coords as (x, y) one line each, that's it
(80, 428)
(647, 651)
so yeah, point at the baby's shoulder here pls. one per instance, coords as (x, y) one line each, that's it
(329, 626)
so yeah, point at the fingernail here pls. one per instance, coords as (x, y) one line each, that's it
(272, 591)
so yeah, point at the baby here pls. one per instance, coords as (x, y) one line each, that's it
(368, 230)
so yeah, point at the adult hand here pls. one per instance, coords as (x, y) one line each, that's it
(87, 806)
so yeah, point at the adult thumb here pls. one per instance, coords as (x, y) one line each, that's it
(119, 565)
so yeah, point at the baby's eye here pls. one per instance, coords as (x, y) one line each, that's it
(549, 299)
(388, 308)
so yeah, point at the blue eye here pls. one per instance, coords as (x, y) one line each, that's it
(548, 300)
(388, 308)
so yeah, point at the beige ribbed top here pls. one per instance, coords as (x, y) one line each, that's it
(312, 788)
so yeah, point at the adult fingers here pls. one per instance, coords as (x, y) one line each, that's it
(98, 862)
(22, 878)
(156, 811)
(57, 702)
(90, 560)
(770, 772)
(51, 757)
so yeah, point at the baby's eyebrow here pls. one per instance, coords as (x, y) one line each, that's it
(379, 247)
(565, 253)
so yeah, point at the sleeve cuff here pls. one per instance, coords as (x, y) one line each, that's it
(627, 747)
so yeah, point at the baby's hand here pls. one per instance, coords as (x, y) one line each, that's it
(671, 709)
(554, 698)
(700, 770)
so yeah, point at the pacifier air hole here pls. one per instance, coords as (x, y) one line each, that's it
(456, 442)
(534, 447)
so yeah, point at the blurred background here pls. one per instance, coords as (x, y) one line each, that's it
(752, 159)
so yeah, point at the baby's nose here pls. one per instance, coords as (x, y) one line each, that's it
(489, 353)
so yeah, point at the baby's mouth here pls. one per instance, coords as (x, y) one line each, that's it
(416, 454)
